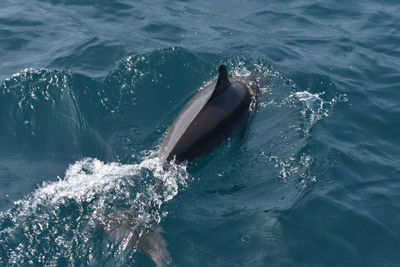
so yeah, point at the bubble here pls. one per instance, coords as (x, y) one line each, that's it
(245, 238)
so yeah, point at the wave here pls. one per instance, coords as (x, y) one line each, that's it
(49, 112)
(121, 120)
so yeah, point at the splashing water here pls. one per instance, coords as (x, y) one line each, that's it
(315, 107)
(302, 110)
(58, 216)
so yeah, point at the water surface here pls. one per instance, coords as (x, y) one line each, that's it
(88, 90)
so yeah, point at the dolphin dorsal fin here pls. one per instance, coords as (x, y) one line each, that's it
(223, 82)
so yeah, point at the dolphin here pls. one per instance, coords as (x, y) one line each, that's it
(209, 117)
(205, 121)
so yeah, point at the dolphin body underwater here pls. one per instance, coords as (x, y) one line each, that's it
(205, 121)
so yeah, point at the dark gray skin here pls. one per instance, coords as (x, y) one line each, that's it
(209, 117)
(123, 227)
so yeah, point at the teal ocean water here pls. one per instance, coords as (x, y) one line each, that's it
(88, 90)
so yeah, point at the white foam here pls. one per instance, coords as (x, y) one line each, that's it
(313, 101)
(315, 107)
(90, 191)
(90, 177)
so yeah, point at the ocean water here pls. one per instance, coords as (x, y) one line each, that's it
(88, 90)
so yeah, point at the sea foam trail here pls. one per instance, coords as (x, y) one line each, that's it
(61, 215)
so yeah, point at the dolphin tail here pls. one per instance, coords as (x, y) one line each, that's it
(155, 246)
(122, 228)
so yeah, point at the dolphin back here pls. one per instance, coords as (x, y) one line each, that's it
(192, 109)
(203, 122)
